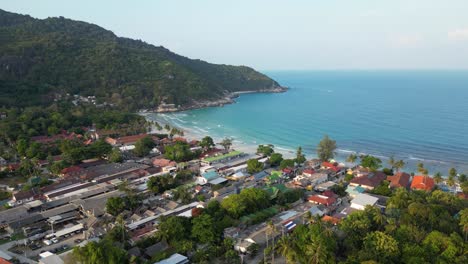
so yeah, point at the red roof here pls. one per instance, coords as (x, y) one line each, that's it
(331, 166)
(321, 199)
(420, 182)
(329, 193)
(330, 219)
(71, 169)
(401, 179)
(4, 261)
(180, 139)
(372, 179)
(287, 170)
(308, 171)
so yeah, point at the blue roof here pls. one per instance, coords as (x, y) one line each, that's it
(260, 175)
(211, 175)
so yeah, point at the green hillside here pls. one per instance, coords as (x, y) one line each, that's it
(43, 59)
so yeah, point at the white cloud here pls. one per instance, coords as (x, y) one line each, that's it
(458, 34)
(405, 41)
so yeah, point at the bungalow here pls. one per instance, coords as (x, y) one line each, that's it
(424, 183)
(362, 200)
(321, 199)
(370, 181)
(401, 179)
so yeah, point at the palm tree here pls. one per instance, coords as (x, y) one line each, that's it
(399, 165)
(391, 162)
(286, 249)
(451, 181)
(420, 167)
(307, 217)
(438, 177)
(351, 158)
(272, 230)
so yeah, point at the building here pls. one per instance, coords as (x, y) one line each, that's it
(369, 181)
(174, 259)
(362, 200)
(322, 199)
(125, 141)
(424, 183)
(399, 180)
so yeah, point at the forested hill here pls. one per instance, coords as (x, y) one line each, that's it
(41, 59)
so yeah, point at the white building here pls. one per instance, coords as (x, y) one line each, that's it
(362, 200)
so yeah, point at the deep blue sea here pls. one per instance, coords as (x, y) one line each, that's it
(418, 116)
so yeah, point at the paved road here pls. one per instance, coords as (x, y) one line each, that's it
(21, 258)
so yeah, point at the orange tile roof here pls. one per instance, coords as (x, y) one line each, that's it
(420, 182)
(331, 219)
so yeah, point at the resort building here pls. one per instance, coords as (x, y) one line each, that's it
(369, 181)
(399, 180)
(424, 183)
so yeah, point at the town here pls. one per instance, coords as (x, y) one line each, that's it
(163, 198)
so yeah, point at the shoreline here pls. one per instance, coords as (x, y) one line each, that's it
(340, 157)
(228, 98)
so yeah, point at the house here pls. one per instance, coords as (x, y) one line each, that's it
(331, 166)
(207, 177)
(156, 248)
(353, 191)
(26, 196)
(164, 163)
(313, 163)
(226, 191)
(308, 172)
(362, 200)
(51, 259)
(399, 180)
(321, 199)
(315, 210)
(330, 219)
(424, 183)
(174, 259)
(369, 181)
(4, 261)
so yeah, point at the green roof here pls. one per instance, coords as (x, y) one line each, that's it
(227, 155)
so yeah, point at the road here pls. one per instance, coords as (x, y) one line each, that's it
(5, 247)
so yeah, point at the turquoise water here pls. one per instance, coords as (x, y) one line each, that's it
(414, 115)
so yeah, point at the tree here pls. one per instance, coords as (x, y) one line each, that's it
(391, 162)
(100, 252)
(351, 158)
(381, 247)
(451, 180)
(203, 229)
(400, 164)
(254, 166)
(115, 156)
(207, 143)
(115, 205)
(275, 159)
(300, 158)
(462, 178)
(464, 222)
(266, 150)
(453, 172)
(234, 206)
(226, 143)
(326, 148)
(143, 146)
(420, 167)
(174, 229)
(180, 151)
(287, 163)
(371, 162)
(438, 177)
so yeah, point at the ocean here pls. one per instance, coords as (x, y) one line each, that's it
(417, 116)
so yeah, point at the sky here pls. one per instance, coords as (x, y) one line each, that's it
(284, 35)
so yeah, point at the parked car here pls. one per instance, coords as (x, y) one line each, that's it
(54, 240)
